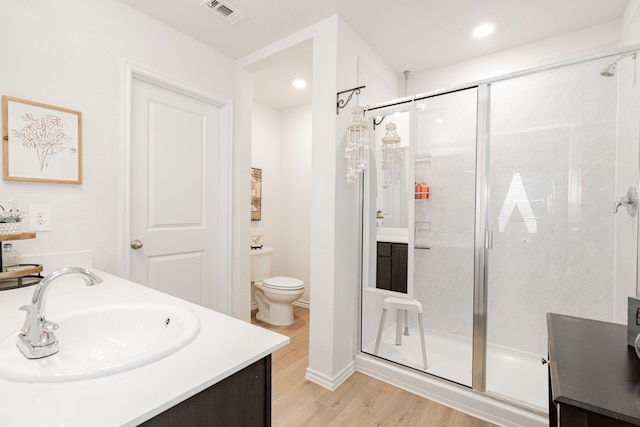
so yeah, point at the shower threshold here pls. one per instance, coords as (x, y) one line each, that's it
(512, 375)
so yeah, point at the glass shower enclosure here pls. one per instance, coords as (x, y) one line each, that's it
(505, 211)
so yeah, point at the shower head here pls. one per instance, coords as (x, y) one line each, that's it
(610, 71)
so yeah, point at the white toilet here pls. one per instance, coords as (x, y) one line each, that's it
(274, 295)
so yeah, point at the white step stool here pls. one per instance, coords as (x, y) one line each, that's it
(402, 305)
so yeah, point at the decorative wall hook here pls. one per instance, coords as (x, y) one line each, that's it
(341, 103)
(377, 121)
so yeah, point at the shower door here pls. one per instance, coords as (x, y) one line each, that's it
(552, 188)
(444, 229)
(438, 186)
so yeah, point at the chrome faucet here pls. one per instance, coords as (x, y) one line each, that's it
(36, 339)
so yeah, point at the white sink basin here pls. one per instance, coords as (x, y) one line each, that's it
(103, 341)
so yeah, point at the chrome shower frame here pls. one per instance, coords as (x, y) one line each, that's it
(482, 240)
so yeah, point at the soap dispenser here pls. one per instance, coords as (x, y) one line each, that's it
(10, 257)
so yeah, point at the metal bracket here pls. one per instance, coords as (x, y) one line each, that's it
(377, 121)
(341, 103)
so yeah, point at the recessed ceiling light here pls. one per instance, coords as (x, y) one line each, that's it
(483, 30)
(299, 83)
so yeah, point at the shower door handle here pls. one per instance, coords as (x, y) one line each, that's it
(630, 201)
(488, 239)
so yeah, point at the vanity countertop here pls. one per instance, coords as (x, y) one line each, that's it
(392, 235)
(224, 346)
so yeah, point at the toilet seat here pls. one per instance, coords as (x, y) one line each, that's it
(281, 283)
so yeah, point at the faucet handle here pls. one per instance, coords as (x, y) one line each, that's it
(49, 326)
(46, 337)
(27, 321)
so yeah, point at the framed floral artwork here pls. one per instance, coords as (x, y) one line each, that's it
(256, 194)
(41, 142)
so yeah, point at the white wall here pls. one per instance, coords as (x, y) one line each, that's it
(281, 147)
(295, 214)
(323, 342)
(241, 264)
(334, 238)
(358, 65)
(326, 356)
(70, 53)
(266, 137)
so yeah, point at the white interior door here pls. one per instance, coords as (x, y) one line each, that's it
(175, 141)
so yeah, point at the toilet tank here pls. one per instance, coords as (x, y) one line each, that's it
(260, 264)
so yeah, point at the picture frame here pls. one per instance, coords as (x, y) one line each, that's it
(41, 142)
(256, 194)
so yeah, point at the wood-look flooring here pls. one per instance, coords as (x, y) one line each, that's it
(359, 401)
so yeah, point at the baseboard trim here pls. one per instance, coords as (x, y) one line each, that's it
(456, 397)
(301, 303)
(330, 383)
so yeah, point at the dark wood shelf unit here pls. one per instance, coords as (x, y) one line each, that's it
(594, 376)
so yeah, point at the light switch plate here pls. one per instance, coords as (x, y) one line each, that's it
(633, 320)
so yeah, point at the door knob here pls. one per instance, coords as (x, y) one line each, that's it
(136, 244)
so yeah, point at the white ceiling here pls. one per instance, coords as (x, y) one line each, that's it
(414, 35)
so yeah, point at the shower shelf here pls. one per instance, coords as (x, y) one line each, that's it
(423, 158)
(423, 225)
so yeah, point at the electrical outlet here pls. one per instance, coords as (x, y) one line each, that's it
(40, 218)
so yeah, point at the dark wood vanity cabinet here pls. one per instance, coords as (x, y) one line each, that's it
(594, 376)
(391, 271)
(241, 400)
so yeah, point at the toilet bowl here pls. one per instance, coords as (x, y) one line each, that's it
(275, 296)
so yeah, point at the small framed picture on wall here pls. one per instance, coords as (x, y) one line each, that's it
(256, 194)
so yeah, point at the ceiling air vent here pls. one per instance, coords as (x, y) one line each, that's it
(224, 10)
